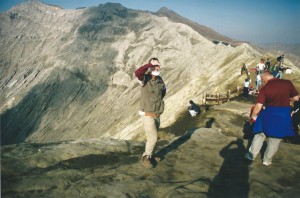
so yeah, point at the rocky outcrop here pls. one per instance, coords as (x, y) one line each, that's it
(68, 74)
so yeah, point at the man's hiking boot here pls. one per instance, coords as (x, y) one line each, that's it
(146, 162)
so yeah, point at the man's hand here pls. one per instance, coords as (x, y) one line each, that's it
(253, 119)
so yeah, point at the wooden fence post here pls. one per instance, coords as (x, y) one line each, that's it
(228, 95)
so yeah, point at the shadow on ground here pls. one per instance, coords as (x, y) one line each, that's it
(232, 179)
(185, 122)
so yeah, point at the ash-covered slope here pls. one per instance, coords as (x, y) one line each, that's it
(203, 30)
(68, 74)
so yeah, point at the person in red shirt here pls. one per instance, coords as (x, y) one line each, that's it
(275, 120)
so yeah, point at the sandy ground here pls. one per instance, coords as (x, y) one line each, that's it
(205, 159)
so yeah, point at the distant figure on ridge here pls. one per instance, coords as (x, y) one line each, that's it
(275, 69)
(194, 109)
(258, 82)
(280, 59)
(260, 67)
(268, 64)
(275, 120)
(244, 69)
(280, 71)
(246, 89)
(153, 90)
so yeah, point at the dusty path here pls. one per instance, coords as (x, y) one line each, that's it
(203, 162)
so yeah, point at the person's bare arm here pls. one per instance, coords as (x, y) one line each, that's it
(295, 98)
(256, 110)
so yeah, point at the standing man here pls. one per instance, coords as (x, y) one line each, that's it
(260, 67)
(275, 120)
(280, 71)
(151, 104)
(258, 82)
(280, 59)
(246, 88)
(268, 64)
(244, 69)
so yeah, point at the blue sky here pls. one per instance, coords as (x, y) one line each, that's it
(247, 20)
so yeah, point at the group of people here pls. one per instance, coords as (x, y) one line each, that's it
(276, 70)
(271, 115)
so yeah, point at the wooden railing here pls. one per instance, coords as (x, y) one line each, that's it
(217, 98)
